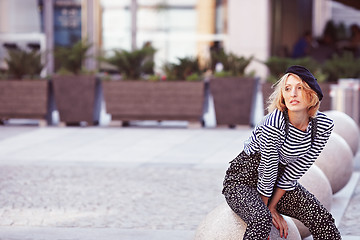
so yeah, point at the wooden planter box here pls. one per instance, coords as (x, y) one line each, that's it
(24, 99)
(266, 92)
(234, 100)
(325, 88)
(141, 100)
(75, 98)
(326, 101)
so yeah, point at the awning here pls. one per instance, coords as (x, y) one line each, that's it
(350, 3)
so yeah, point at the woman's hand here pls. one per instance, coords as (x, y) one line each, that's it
(279, 222)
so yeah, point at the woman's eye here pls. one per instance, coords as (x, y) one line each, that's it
(287, 89)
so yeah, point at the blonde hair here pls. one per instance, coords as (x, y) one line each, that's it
(276, 99)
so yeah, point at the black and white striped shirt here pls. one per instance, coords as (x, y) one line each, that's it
(295, 149)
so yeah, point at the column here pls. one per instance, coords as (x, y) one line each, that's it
(49, 33)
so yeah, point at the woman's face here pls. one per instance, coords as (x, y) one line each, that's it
(295, 97)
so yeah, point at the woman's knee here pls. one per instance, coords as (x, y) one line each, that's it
(260, 220)
(259, 226)
(253, 213)
(304, 206)
(263, 219)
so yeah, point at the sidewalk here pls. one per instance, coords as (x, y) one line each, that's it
(112, 183)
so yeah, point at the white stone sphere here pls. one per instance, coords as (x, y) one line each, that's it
(336, 161)
(346, 127)
(315, 181)
(223, 224)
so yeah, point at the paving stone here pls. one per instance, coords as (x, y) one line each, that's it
(146, 197)
(350, 224)
(50, 191)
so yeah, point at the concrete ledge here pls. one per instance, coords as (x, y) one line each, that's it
(20, 233)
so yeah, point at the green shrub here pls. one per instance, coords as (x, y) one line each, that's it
(193, 77)
(70, 59)
(154, 78)
(23, 63)
(133, 64)
(344, 66)
(278, 65)
(188, 68)
(232, 64)
(222, 74)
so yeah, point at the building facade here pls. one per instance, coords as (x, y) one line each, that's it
(176, 28)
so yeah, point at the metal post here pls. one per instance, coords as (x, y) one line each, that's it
(133, 23)
(90, 62)
(49, 33)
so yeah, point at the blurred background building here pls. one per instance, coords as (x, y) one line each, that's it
(176, 28)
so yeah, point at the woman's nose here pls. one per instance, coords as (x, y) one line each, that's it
(294, 92)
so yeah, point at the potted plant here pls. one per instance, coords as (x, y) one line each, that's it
(75, 89)
(344, 70)
(277, 67)
(23, 94)
(342, 66)
(141, 96)
(233, 91)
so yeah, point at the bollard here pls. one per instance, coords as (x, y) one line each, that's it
(223, 224)
(336, 161)
(315, 181)
(346, 127)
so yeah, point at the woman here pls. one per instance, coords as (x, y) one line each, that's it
(261, 182)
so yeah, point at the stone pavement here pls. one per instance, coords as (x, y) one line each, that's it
(110, 183)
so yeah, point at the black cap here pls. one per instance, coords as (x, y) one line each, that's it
(306, 76)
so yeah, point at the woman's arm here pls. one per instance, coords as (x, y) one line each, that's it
(265, 199)
(278, 193)
(268, 167)
(278, 220)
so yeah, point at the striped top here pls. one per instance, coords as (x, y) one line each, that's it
(295, 149)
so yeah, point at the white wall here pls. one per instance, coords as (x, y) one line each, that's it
(20, 24)
(249, 31)
(3, 15)
(321, 14)
(345, 14)
(19, 16)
